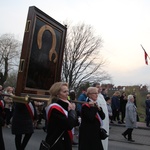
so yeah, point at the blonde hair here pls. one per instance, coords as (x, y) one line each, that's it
(148, 96)
(117, 93)
(91, 90)
(54, 91)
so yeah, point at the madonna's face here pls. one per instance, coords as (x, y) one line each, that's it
(64, 92)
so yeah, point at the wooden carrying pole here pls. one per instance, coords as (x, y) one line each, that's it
(26, 99)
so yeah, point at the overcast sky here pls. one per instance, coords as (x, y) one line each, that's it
(122, 24)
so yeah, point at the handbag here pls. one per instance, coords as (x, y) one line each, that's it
(45, 146)
(103, 134)
(137, 117)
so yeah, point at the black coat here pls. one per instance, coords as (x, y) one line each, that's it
(123, 103)
(147, 103)
(89, 131)
(22, 122)
(59, 122)
(2, 146)
(1, 111)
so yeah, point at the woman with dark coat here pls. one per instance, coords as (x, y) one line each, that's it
(22, 123)
(2, 146)
(123, 102)
(61, 118)
(147, 103)
(91, 120)
(115, 105)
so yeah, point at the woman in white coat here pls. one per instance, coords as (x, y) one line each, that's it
(130, 118)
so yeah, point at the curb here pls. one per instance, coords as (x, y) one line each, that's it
(140, 125)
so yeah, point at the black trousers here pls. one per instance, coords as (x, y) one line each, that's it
(122, 115)
(129, 133)
(2, 147)
(147, 119)
(8, 116)
(21, 143)
(116, 115)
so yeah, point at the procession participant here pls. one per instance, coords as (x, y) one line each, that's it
(61, 118)
(130, 118)
(72, 96)
(91, 116)
(115, 105)
(102, 103)
(123, 102)
(23, 123)
(82, 97)
(8, 106)
(110, 114)
(147, 104)
(2, 146)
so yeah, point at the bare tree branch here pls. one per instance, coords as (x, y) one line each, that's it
(9, 54)
(80, 56)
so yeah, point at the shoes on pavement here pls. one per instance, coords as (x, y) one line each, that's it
(119, 122)
(124, 135)
(130, 140)
(44, 128)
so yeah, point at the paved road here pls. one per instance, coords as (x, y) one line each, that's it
(141, 136)
(116, 141)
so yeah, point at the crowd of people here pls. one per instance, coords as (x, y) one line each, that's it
(94, 111)
(17, 116)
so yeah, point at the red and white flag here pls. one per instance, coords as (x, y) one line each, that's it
(146, 61)
(145, 56)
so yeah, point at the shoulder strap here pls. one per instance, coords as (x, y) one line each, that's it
(57, 139)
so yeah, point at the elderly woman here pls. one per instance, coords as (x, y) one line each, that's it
(61, 118)
(130, 118)
(91, 116)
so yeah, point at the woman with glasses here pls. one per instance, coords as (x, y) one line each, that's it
(91, 121)
(61, 118)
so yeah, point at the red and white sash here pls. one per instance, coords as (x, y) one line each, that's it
(2, 104)
(30, 109)
(59, 108)
(97, 115)
(56, 106)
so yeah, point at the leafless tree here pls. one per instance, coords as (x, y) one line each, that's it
(9, 55)
(82, 62)
(11, 79)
